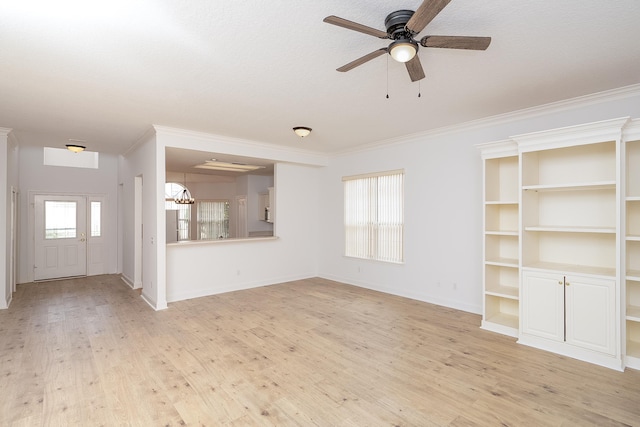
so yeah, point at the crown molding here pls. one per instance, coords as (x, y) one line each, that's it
(632, 131)
(605, 130)
(499, 119)
(139, 141)
(504, 148)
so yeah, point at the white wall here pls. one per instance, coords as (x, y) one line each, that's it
(198, 269)
(443, 207)
(35, 177)
(143, 161)
(204, 268)
(8, 179)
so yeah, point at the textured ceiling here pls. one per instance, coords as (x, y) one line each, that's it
(106, 71)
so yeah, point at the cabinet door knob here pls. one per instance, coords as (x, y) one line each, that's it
(567, 283)
(560, 282)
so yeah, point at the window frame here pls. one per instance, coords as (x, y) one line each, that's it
(198, 221)
(370, 225)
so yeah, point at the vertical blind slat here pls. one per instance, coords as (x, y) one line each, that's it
(374, 217)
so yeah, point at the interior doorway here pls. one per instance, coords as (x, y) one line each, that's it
(13, 253)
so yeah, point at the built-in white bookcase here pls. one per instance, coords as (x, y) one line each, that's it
(501, 238)
(562, 249)
(632, 245)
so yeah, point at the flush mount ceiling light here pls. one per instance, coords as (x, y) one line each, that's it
(76, 148)
(302, 131)
(184, 197)
(403, 50)
(228, 167)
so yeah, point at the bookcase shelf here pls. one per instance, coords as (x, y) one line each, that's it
(569, 229)
(584, 186)
(501, 237)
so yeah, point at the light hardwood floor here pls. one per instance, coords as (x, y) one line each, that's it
(313, 352)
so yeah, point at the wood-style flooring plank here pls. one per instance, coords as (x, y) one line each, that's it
(305, 353)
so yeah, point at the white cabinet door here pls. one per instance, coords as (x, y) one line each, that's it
(542, 302)
(590, 313)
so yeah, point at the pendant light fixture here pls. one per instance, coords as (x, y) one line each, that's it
(184, 197)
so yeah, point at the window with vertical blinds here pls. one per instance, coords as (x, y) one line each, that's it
(184, 218)
(171, 190)
(213, 219)
(374, 216)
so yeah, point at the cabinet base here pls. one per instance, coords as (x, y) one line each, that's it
(568, 350)
(501, 329)
(632, 362)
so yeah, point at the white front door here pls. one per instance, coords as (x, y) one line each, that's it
(60, 236)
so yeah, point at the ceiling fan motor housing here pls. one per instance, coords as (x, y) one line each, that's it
(396, 22)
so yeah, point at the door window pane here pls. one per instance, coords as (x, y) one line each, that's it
(59, 220)
(96, 230)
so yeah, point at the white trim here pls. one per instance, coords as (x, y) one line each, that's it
(148, 301)
(631, 131)
(199, 293)
(148, 134)
(127, 280)
(303, 156)
(391, 290)
(590, 356)
(373, 175)
(498, 149)
(589, 133)
(526, 113)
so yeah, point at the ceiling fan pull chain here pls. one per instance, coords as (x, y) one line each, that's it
(419, 88)
(387, 76)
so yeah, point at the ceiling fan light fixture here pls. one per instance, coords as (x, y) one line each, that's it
(302, 131)
(403, 50)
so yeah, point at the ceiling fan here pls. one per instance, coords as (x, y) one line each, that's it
(402, 26)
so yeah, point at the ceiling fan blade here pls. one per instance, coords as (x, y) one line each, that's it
(360, 61)
(350, 25)
(425, 14)
(414, 67)
(456, 42)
